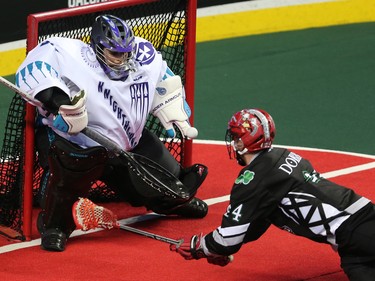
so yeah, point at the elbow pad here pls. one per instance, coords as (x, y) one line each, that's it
(52, 98)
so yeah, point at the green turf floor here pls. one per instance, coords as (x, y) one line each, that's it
(317, 83)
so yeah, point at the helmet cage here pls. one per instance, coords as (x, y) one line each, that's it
(113, 42)
(114, 64)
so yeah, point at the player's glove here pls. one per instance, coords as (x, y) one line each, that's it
(72, 118)
(170, 106)
(193, 249)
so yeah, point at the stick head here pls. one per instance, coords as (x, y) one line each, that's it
(87, 215)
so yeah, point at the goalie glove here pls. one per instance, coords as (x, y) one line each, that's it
(194, 249)
(170, 106)
(72, 118)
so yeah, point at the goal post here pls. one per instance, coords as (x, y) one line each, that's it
(170, 25)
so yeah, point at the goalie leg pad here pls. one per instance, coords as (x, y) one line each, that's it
(134, 189)
(151, 147)
(194, 208)
(72, 171)
(193, 177)
(116, 176)
(152, 153)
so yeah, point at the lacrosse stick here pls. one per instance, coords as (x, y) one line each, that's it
(24, 95)
(87, 215)
(143, 170)
(141, 167)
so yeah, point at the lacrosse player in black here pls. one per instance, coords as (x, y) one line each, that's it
(281, 188)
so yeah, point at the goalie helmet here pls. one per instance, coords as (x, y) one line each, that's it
(113, 43)
(249, 130)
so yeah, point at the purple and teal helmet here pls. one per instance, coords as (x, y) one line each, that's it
(113, 43)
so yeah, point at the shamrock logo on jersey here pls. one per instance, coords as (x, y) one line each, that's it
(245, 178)
(314, 177)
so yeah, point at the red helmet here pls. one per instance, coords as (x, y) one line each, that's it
(254, 127)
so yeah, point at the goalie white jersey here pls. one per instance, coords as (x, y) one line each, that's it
(116, 109)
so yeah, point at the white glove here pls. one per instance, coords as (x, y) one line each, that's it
(170, 106)
(72, 118)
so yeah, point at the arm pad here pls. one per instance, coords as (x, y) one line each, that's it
(52, 98)
(170, 106)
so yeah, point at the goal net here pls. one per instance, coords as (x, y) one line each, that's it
(168, 24)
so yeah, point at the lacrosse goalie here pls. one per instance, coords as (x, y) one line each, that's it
(110, 85)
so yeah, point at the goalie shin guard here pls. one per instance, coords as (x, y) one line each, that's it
(195, 208)
(72, 171)
(192, 178)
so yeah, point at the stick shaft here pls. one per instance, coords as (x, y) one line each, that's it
(104, 141)
(150, 235)
(22, 93)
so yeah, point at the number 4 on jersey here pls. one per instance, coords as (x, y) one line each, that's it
(235, 214)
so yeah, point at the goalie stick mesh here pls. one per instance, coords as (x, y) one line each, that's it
(87, 215)
(168, 24)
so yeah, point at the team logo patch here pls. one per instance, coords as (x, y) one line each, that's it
(145, 52)
(161, 90)
(313, 177)
(245, 178)
(89, 57)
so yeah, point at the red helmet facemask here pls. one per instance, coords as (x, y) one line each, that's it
(249, 130)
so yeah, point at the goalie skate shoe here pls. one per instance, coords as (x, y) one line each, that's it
(54, 240)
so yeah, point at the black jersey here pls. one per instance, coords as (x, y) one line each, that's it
(280, 187)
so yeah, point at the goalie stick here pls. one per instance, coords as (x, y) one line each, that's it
(87, 215)
(140, 167)
(14, 88)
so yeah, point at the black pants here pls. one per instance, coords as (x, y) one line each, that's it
(116, 173)
(150, 146)
(356, 239)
